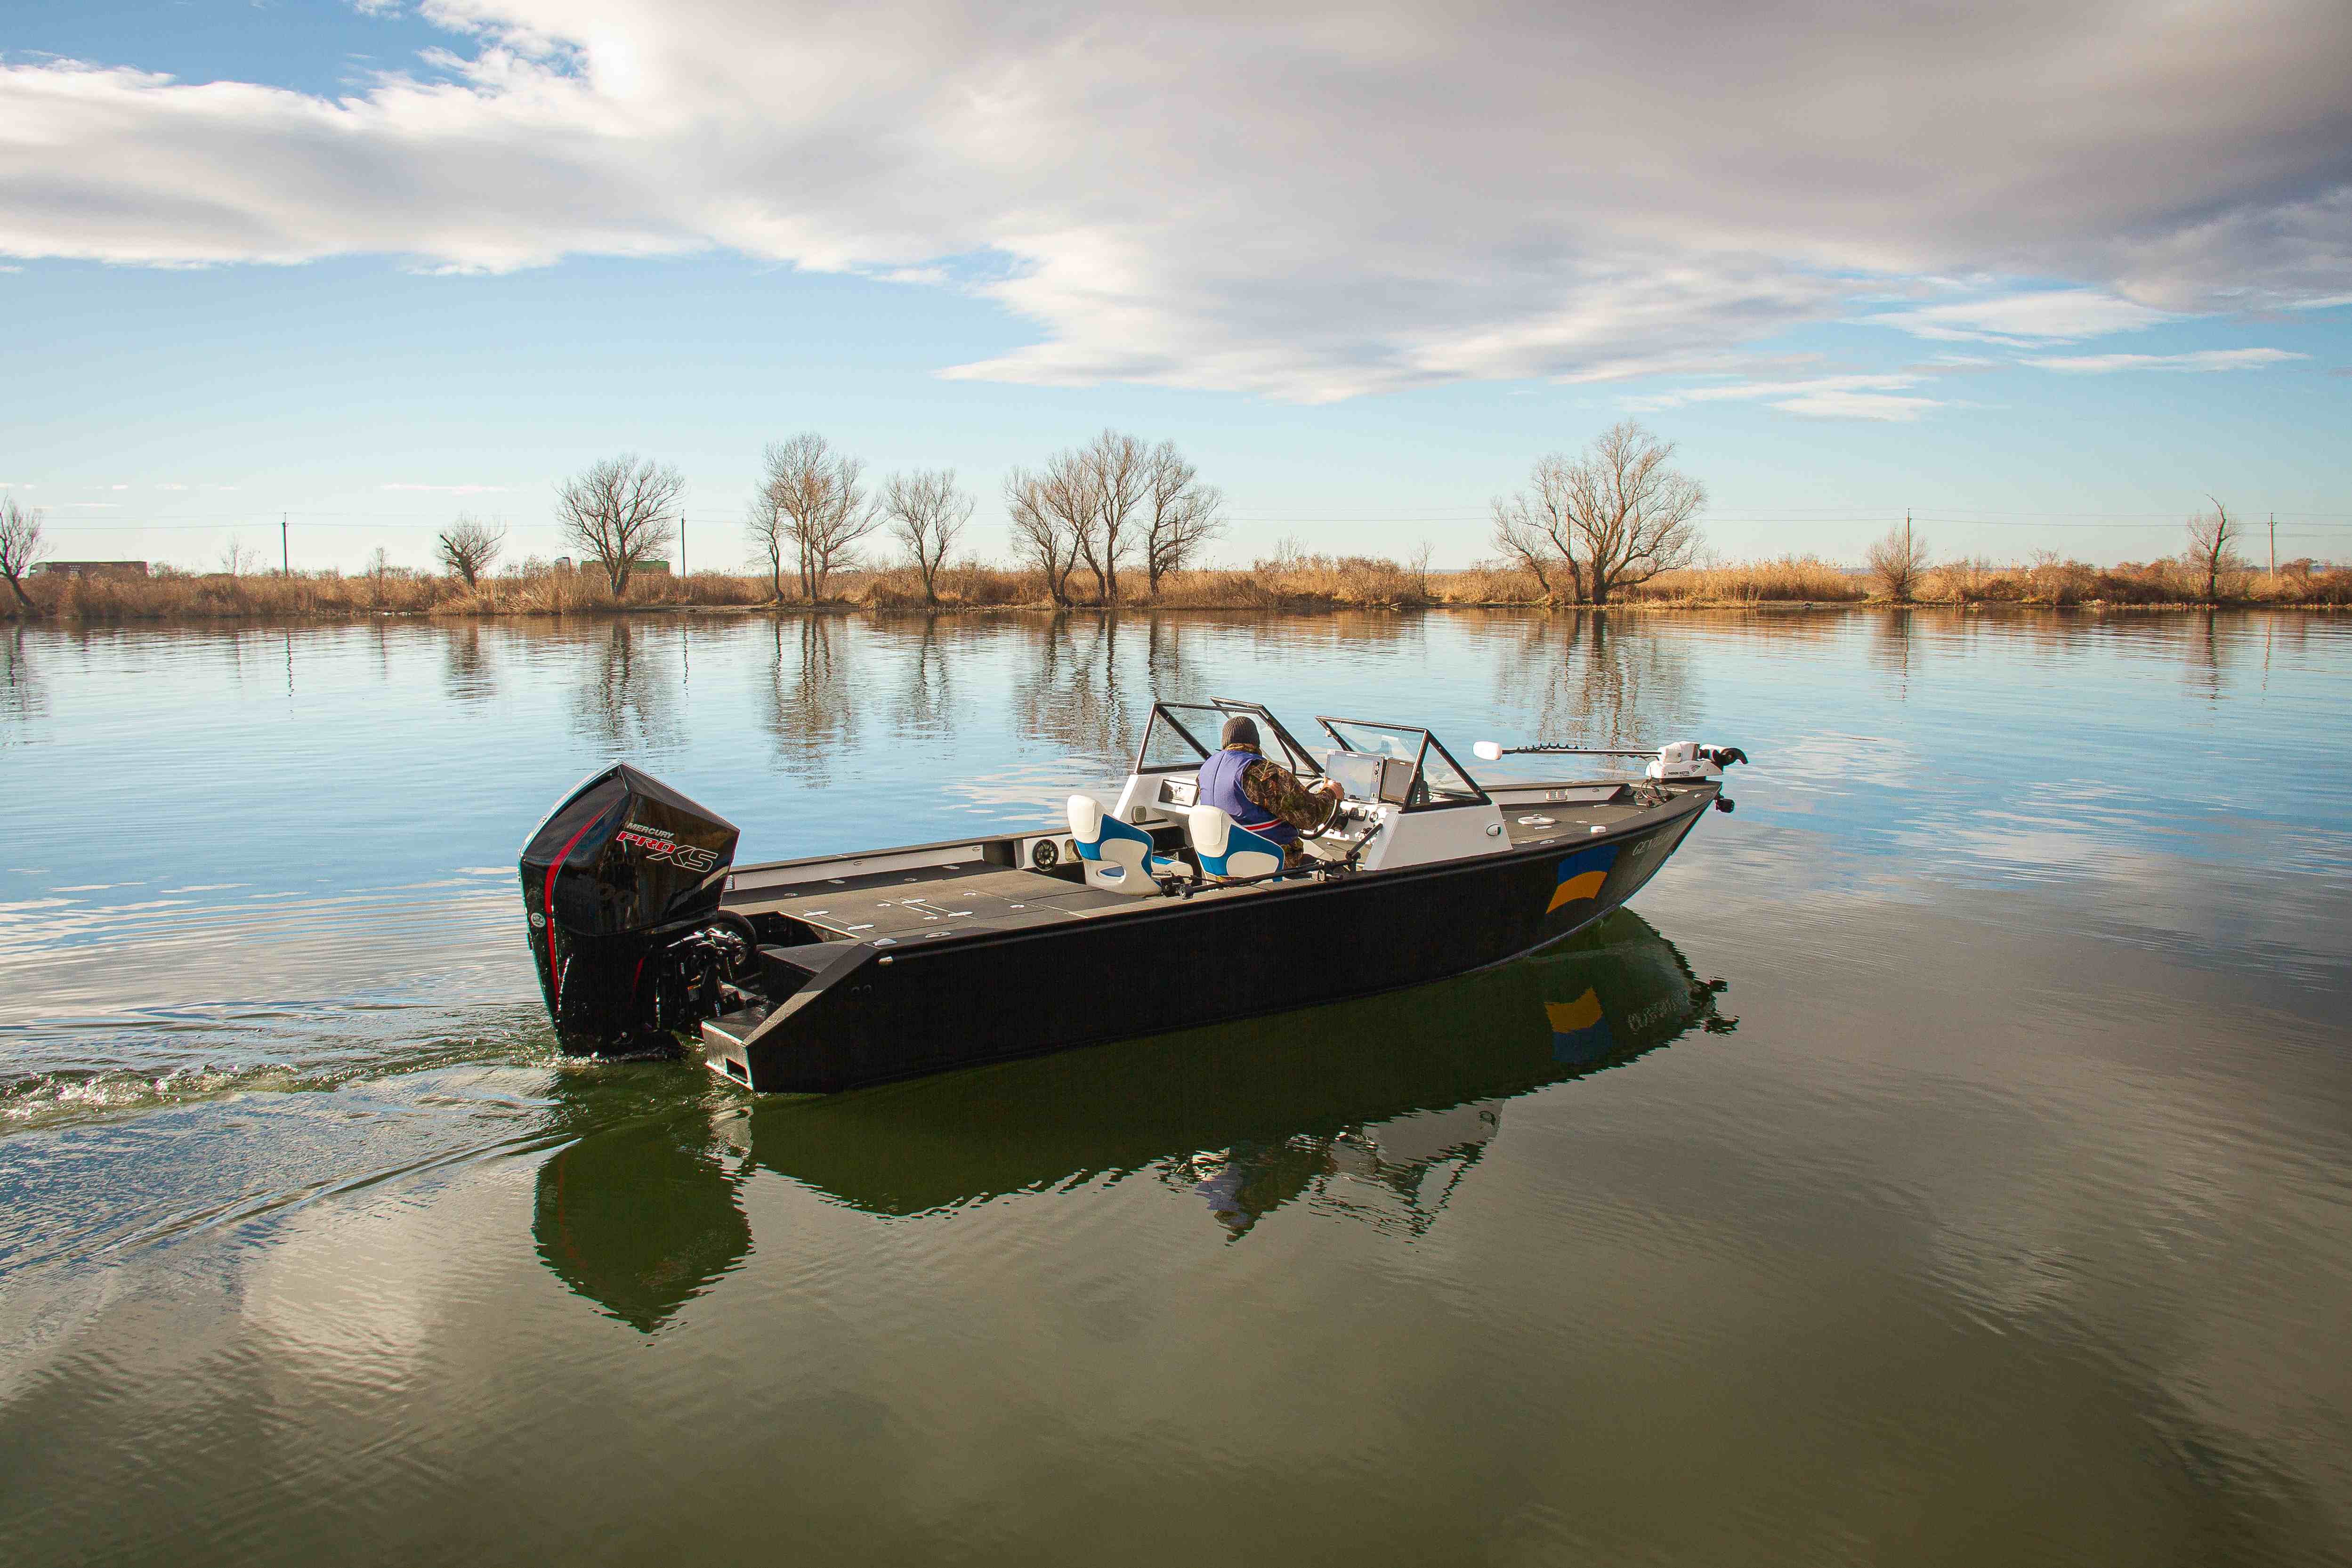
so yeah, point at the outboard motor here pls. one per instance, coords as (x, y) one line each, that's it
(621, 887)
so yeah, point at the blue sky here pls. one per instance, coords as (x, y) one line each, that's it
(392, 264)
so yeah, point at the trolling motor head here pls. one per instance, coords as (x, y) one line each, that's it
(620, 888)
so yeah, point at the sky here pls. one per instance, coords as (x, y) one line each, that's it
(2046, 276)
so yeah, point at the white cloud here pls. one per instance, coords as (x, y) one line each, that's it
(2206, 359)
(1832, 404)
(2057, 315)
(452, 490)
(1304, 201)
(1879, 396)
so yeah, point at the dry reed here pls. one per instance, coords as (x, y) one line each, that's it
(1289, 580)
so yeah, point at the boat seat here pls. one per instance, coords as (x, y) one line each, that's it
(1226, 849)
(1117, 855)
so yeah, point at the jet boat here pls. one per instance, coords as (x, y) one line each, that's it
(1144, 912)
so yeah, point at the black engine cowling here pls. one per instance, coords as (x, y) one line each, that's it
(621, 888)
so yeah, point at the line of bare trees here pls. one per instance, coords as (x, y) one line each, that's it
(1114, 501)
(1586, 527)
(1899, 562)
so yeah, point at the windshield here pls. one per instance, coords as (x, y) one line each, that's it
(1438, 778)
(1169, 743)
(1376, 740)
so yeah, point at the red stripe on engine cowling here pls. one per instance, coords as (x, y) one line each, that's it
(547, 895)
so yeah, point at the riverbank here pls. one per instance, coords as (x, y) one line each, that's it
(1288, 585)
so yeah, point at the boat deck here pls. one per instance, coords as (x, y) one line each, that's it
(1540, 821)
(932, 901)
(922, 901)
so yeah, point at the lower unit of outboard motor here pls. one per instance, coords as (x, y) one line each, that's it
(621, 887)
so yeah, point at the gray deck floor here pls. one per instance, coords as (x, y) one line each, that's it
(937, 900)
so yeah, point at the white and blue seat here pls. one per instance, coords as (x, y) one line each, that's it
(1228, 849)
(1117, 856)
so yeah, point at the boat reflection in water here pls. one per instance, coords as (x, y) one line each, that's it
(1376, 1108)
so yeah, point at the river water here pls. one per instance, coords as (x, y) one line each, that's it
(1944, 1159)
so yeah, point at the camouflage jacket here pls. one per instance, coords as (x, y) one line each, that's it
(1275, 790)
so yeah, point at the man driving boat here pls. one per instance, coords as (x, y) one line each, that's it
(1264, 796)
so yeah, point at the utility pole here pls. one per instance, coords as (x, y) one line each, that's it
(2273, 549)
(286, 554)
(681, 557)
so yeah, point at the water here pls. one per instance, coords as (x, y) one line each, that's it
(1944, 1159)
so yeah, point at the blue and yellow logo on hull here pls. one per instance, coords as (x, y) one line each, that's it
(1582, 874)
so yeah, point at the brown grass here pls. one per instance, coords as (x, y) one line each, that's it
(2050, 580)
(1287, 581)
(1792, 579)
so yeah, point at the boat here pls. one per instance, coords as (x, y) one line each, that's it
(1144, 912)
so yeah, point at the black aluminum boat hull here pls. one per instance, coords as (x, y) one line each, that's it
(881, 1012)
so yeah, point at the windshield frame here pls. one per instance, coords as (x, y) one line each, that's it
(1301, 761)
(1421, 798)
(1161, 712)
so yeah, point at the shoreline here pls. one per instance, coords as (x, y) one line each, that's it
(1306, 609)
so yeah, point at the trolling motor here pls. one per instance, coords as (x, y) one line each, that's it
(621, 887)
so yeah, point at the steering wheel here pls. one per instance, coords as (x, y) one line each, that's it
(1339, 813)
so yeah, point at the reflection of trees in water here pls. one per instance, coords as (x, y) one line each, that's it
(2208, 646)
(1075, 693)
(467, 673)
(1598, 680)
(923, 699)
(1894, 648)
(1163, 660)
(812, 714)
(22, 700)
(627, 696)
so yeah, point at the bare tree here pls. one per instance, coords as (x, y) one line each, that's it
(236, 560)
(1611, 519)
(2213, 548)
(469, 545)
(812, 510)
(1536, 530)
(1419, 568)
(1116, 470)
(1047, 517)
(764, 520)
(21, 547)
(1183, 514)
(620, 511)
(928, 513)
(1898, 562)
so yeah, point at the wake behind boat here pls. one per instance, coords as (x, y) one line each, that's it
(1148, 910)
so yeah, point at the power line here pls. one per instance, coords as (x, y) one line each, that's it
(2312, 520)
